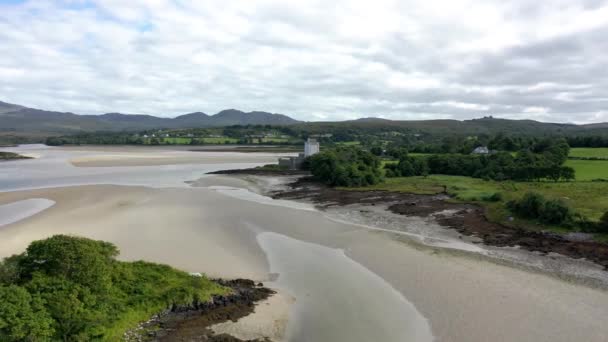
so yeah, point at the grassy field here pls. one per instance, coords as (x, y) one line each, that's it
(183, 141)
(587, 198)
(186, 141)
(589, 152)
(589, 169)
(275, 140)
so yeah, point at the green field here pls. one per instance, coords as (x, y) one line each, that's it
(181, 141)
(589, 152)
(219, 140)
(587, 198)
(186, 141)
(275, 140)
(589, 169)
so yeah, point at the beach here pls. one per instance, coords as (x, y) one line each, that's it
(337, 280)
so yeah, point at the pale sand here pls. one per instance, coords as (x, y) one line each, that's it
(268, 321)
(138, 158)
(464, 296)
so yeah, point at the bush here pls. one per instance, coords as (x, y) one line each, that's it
(555, 212)
(495, 197)
(528, 206)
(603, 224)
(534, 206)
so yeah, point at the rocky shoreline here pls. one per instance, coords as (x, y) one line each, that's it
(467, 219)
(261, 172)
(193, 322)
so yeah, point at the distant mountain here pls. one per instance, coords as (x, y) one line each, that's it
(23, 120)
(15, 118)
(487, 125)
(8, 107)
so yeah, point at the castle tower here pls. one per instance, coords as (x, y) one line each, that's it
(311, 146)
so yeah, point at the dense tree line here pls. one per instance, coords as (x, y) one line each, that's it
(543, 160)
(96, 139)
(73, 289)
(346, 166)
(588, 141)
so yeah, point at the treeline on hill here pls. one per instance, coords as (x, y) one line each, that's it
(235, 134)
(101, 138)
(544, 160)
(73, 289)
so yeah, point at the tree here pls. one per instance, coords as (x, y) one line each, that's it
(77, 313)
(23, 317)
(83, 261)
(346, 166)
(376, 150)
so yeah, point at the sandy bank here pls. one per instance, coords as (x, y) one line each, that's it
(136, 158)
(269, 320)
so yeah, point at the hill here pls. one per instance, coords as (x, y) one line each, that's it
(19, 120)
(487, 125)
(16, 118)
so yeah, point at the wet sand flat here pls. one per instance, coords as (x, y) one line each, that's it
(137, 158)
(464, 297)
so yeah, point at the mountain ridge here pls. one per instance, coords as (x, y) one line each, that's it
(20, 119)
(17, 118)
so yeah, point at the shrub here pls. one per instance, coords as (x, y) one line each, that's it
(534, 206)
(603, 224)
(555, 212)
(528, 206)
(495, 197)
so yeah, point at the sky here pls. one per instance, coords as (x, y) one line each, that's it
(312, 60)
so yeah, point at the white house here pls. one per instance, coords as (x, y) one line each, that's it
(481, 150)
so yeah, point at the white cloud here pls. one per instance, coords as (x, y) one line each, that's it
(313, 60)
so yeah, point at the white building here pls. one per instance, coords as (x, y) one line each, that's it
(481, 150)
(311, 146)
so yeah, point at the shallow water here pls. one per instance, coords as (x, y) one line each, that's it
(17, 211)
(53, 169)
(337, 299)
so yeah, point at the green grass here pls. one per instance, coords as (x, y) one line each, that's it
(349, 143)
(181, 141)
(587, 198)
(219, 140)
(589, 169)
(157, 286)
(589, 152)
(274, 140)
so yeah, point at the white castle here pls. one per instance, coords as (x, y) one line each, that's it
(311, 146)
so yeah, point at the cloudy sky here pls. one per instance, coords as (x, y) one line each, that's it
(314, 60)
